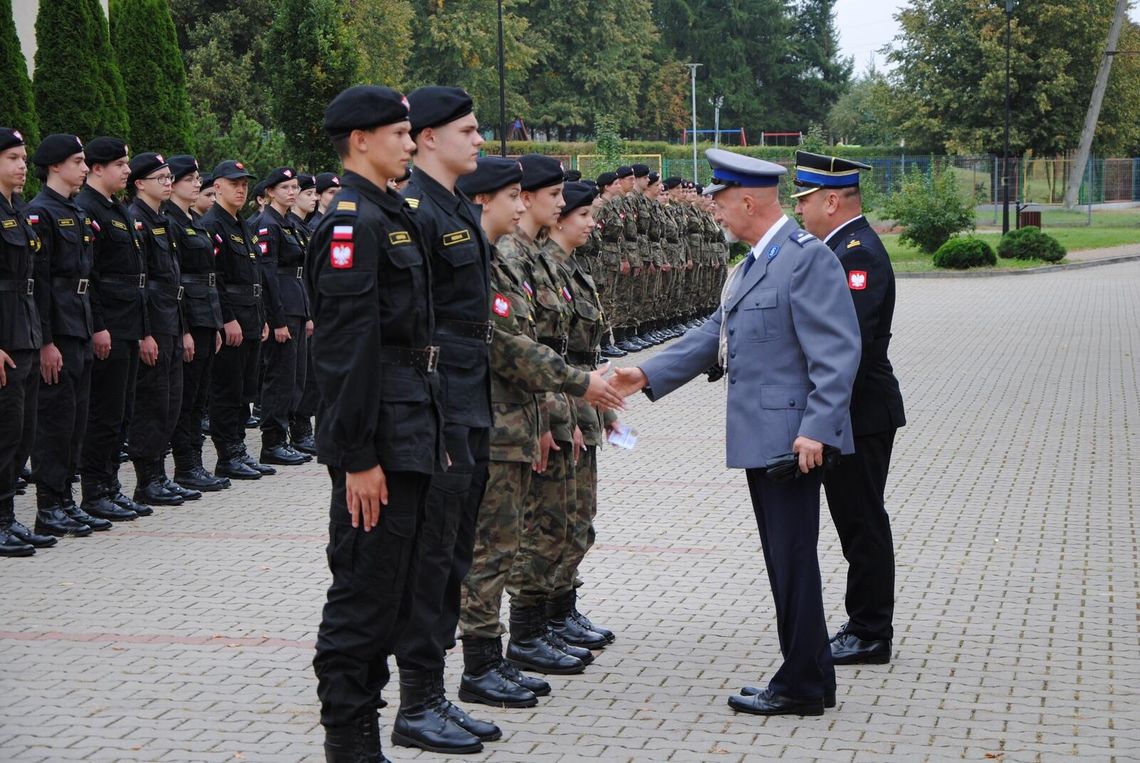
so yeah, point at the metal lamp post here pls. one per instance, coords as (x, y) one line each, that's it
(693, 82)
(1009, 4)
(716, 103)
(502, 87)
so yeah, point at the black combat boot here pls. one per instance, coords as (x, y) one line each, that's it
(358, 742)
(301, 436)
(150, 487)
(188, 494)
(189, 472)
(530, 647)
(487, 732)
(12, 544)
(483, 679)
(232, 465)
(559, 613)
(16, 528)
(264, 469)
(539, 687)
(585, 655)
(51, 519)
(585, 622)
(422, 720)
(123, 502)
(79, 515)
(97, 503)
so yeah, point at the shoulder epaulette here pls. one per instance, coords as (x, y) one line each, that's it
(854, 243)
(345, 203)
(802, 237)
(412, 202)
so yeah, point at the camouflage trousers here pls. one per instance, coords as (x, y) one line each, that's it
(549, 503)
(498, 532)
(580, 522)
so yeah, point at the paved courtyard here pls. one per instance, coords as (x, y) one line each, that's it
(188, 636)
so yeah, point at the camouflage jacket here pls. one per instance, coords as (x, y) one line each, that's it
(587, 331)
(611, 232)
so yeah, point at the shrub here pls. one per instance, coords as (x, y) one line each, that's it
(1030, 243)
(964, 253)
(17, 110)
(930, 208)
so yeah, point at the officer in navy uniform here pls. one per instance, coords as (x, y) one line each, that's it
(788, 337)
(122, 334)
(62, 271)
(447, 146)
(380, 429)
(19, 343)
(829, 202)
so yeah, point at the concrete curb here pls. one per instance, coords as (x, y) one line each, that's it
(1025, 272)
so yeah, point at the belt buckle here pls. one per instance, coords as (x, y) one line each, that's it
(433, 358)
(488, 332)
(257, 290)
(142, 280)
(82, 287)
(211, 280)
(30, 289)
(181, 290)
(300, 272)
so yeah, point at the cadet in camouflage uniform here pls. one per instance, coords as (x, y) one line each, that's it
(610, 231)
(629, 284)
(675, 260)
(716, 255)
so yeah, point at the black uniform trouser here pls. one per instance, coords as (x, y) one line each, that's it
(234, 371)
(286, 364)
(186, 441)
(370, 596)
(855, 490)
(158, 398)
(112, 386)
(787, 516)
(17, 422)
(61, 422)
(301, 422)
(447, 545)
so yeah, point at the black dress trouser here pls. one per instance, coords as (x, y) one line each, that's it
(186, 440)
(158, 399)
(234, 372)
(17, 419)
(286, 365)
(112, 387)
(62, 422)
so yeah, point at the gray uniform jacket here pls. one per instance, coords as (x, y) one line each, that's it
(793, 351)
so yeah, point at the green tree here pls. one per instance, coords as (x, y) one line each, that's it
(17, 109)
(147, 45)
(77, 84)
(246, 140)
(311, 58)
(822, 74)
(931, 208)
(862, 115)
(382, 36)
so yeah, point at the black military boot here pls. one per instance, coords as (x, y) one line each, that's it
(123, 502)
(232, 465)
(537, 686)
(280, 453)
(188, 494)
(358, 742)
(97, 502)
(11, 544)
(150, 487)
(15, 527)
(301, 436)
(585, 655)
(53, 520)
(559, 613)
(264, 469)
(423, 722)
(487, 732)
(530, 647)
(79, 515)
(483, 679)
(585, 622)
(189, 472)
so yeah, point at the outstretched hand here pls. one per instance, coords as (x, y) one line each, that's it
(628, 380)
(601, 394)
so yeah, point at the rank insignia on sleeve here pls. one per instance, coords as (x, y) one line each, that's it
(342, 233)
(340, 254)
(857, 280)
(854, 243)
(501, 305)
(395, 238)
(9, 224)
(414, 203)
(119, 224)
(457, 237)
(566, 294)
(346, 206)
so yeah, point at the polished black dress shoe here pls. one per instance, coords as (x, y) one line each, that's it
(849, 649)
(79, 515)
(123, 502)
(54, 521)
(12, 546)
(252, 463)
(188, 494)
(237, 469)
(32, 539)
(104, 508)
(155, 493)
(197, 478)
(752, 691)
(768, 703)
(281, 455)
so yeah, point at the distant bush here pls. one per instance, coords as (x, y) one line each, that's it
(930, 207)
(964, 253)
(1030, 243)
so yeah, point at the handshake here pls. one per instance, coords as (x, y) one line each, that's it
(610, 393)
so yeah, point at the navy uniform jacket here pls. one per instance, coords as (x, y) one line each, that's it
(195, 249)
(370, 285)
(793, 352)
(238, 278)
(19, 319)
(164, 277)
(451, 232)
(282, 262)
(876, 402)
(118, 293)
(62, 267)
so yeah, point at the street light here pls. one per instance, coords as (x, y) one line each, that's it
(693, 81)
(1009, 4)
(716, 103)
(502, 87)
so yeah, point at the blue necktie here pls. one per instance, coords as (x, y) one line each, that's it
(747, 265)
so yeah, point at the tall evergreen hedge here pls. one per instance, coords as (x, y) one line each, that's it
(17, 109)
(146, 45)
(77, 84)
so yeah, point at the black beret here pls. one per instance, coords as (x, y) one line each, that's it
(623, 172)
(436, 105)
(279, 175)
(10, 138)
(577, 195)
(700, 189)
(327, 180)
(405, 176)
(146, 163)
(306, 181)
(606, 178)
(182, 165)
(104, 150)
(590, 183)
(672, 182)
(640, 170)
(363, 107)
(573, 176)
(231, 169)
(56, 148)
(540, 171)
(653, 178)
(258, 190)
(491, 174)
(207, 182)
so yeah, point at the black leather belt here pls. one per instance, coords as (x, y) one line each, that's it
(245, 289)
(585, 358)
(169, 289)
(298, 272)
(209, 279)
(138, 280)
(78, 285)
(484, 331)
(556, 343)
(425, 360)
(23, 285)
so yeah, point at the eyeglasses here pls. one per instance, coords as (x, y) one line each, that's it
(162, 179)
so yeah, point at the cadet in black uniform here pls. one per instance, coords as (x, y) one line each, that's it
(239, 289)
(19, 343)
(380, 427)
(282, 263)
(64, 307)
(831, 206)
(202, 311)
(305, 217)
(328, 184)
(119, 318)
(158, 393)
(447, 146)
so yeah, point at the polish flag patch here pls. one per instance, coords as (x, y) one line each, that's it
(501, 306)
(342, 233)
(263, 231)
(340, 254)
(566, 294)
(528, 288)
(857, 280)
(95, 225)
(34, 219)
